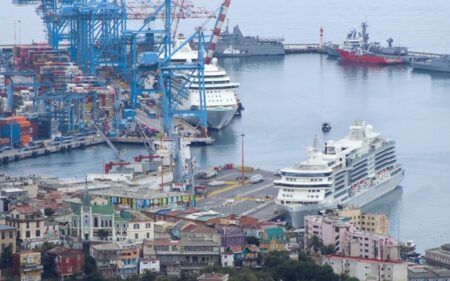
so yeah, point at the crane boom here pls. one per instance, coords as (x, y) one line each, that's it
(217, 30)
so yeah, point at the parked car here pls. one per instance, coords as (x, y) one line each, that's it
(229, 202)
(207, 174)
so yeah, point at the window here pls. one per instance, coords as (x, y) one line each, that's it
(147, 225)
(38, 233)
(37, 223)
(96, 222)
(27, 234)
(3, 235)
(11, 234)
(148, 235)
(136, 226)
(28, 225)
(136, 235)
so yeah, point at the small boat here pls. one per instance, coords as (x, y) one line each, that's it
(326, 127)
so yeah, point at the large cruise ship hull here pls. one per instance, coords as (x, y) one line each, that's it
(218, 117)
(297, 214)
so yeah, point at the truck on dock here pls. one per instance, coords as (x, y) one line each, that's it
(256, 178)
(207, 174)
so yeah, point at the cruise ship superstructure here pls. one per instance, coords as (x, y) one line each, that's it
(220, 92)
(353, 171)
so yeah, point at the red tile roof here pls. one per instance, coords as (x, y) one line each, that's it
(26, 209)
(62, 251)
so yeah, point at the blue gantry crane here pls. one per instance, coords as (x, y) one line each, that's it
(96, 35)
(158, 62)
(92, 29)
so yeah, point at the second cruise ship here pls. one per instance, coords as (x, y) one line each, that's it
(355, 171)
(220, 92)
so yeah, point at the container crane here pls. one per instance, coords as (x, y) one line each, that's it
(158, 63)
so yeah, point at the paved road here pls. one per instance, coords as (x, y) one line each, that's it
(247, 206)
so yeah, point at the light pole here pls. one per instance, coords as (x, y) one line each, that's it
(15, 32)
(242, 155)
(19, 22)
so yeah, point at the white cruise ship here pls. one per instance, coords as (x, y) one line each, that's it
(353, 171)
(220, 92)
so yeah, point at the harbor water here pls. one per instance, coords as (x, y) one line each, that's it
(286, 100)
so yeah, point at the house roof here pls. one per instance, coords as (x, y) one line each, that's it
(103, 209)
(253, 248)
(63, 251)
(273, 232)
(360, 259)
(161, 242)
(106, 246)
(26, 209)
(236, 249)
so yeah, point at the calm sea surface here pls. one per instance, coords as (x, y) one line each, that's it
(287, 99)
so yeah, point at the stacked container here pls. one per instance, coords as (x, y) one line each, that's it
(17, 129)
(25, 136)
(10, 128)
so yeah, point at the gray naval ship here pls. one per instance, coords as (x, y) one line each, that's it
(235, 44)
(441, 64)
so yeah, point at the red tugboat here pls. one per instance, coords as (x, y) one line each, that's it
(361, 56)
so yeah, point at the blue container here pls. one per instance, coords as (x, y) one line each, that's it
(11, 131)
(129, 113)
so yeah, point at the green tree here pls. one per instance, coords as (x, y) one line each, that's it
(48, 212)
(327, 250)
(252, 241)
(148, 276)
(244, 275)
(103, 234)
(315, 244)
(46, 246)
(6, 257)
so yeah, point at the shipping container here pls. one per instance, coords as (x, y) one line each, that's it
(11, 131)
(5, 141)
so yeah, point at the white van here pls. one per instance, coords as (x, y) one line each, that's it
(256, 178)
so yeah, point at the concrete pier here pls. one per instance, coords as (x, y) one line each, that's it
(19, 154)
